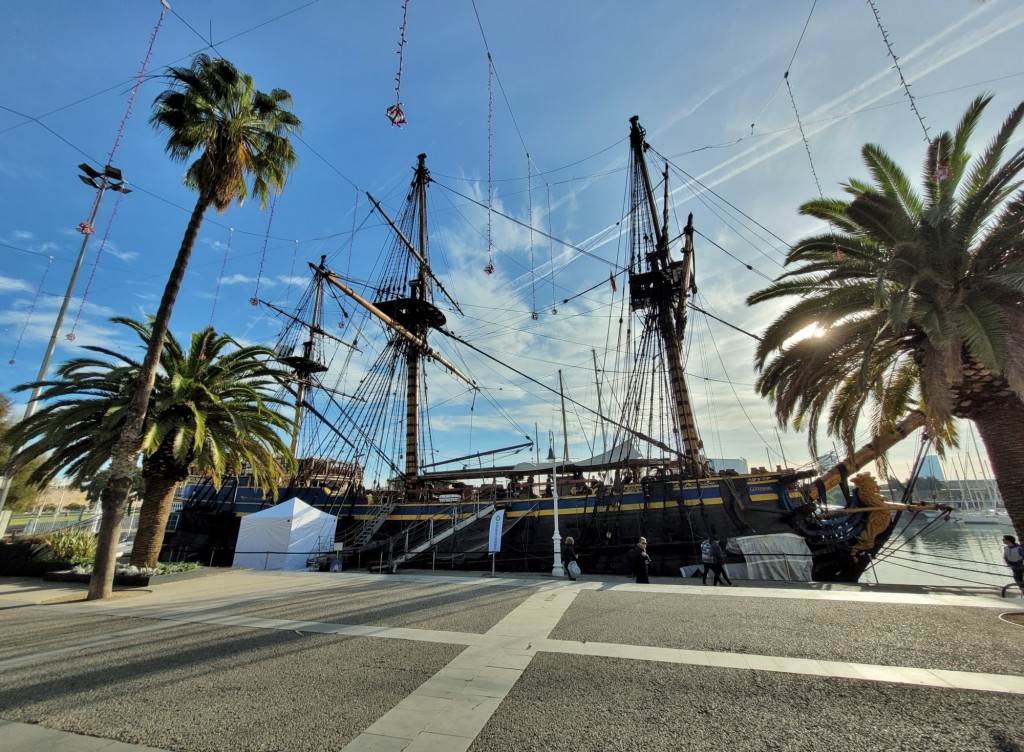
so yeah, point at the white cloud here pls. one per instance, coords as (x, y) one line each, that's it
(10, 284)
(241, 279)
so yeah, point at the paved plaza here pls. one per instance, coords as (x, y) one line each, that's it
(241, 660)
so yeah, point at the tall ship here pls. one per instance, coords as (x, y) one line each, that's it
(374, 428)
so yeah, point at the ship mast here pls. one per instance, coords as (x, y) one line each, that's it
(305, 363)
(417, 292)
(661, 291)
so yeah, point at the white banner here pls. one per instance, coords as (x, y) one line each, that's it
(494, 539)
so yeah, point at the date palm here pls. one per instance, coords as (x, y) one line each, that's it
(917, 300)
(212, 410)
(240, 134)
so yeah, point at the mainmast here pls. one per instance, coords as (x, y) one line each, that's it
(417, 292)
(416, 313)
(661, 289)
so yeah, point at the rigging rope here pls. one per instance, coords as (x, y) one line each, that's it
(31, 310)
(394, 112)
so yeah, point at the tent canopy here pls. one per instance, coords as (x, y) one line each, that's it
(283, 536)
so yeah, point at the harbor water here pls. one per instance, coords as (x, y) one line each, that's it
(937, 552)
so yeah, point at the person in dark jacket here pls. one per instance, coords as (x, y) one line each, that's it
(1013, 555)
(718, 562)
(639, 561)
(569, 557)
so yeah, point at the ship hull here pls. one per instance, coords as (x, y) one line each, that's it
(605, 523)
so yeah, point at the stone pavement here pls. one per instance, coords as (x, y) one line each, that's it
(242, 660)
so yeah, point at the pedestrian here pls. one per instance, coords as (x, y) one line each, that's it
(570, 559)
(1013, 555)
(639, 561)
(706, 558)
(718, 562)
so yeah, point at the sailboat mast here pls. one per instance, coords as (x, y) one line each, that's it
(664, 289)
(417, 291)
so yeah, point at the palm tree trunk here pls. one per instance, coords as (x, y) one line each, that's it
(999, 428)
(156, 510)
(126, 450)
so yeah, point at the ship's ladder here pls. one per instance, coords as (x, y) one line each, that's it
(424, 535)
(369, 528)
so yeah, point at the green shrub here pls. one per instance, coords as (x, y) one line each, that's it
(181, 566)
(76, 546)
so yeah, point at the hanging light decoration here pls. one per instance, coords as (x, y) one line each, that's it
(394, 112)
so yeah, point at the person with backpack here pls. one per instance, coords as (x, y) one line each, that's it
(706, 558)
(1013, 555)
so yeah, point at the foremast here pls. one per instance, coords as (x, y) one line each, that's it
(659, 287)
(308, 360)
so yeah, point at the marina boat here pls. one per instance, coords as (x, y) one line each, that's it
(367, 431)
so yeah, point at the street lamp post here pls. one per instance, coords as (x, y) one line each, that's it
(110, 179)
(556, 536)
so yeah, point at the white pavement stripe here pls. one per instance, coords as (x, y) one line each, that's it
(1006, 683)
(29, 737)
(448, 711)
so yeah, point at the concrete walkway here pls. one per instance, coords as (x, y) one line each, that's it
(265, 660)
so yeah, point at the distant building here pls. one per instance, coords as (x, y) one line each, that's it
(738, 465)
(930, 468)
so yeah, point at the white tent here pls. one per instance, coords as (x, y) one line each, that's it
(781, 556)
(283, 536)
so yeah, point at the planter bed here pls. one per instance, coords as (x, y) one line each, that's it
(128, 580)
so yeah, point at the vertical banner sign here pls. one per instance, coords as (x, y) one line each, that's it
(494, 539)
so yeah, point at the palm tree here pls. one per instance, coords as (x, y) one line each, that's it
(212, 413)
(212, 410)
(240, 133)
(918, 303)
(22, 490)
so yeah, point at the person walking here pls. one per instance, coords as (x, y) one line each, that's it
(1013, 555)
(570, 559)
(640, 562)
(718, 562)
(706, 558)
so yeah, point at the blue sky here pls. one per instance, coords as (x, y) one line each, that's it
(704, 78)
